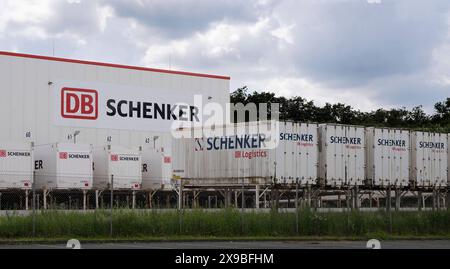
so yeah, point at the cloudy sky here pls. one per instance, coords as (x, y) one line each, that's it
(366, 53)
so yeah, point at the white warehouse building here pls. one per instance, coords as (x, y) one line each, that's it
(42, 100)
(48, 100)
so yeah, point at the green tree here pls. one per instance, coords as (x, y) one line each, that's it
(300, 109)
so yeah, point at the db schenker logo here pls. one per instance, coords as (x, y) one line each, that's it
(63, 155)
(79, 103)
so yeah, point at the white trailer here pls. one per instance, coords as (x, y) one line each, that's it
(64, 166)
(341, 155)
(16, 165)
(387, 156)
(156, 169)
(296, 154)
(250, 153)
(429, 159)
(448, 160)
(124, 163)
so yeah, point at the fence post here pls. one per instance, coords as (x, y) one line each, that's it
(84, 199)
(33, 202)
(180, 195)
(44, 198)
(447, 200)
(243, 197)
(433, 197)
(150, 198)
(296, 207)
(389, 203)
(257, 196)
(180, 206)
(419, 200)
(242, 208)
(26, 199)
(96, 199)
(388, 199)
(111, 209)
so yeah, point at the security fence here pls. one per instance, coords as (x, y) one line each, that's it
(233, 211)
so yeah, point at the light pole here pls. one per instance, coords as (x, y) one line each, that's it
(75, 136)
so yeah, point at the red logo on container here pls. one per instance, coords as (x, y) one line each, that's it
(79, 103)
(3, 153)
(63, 155)
(114, 157)
(237, 154)
(167, 159)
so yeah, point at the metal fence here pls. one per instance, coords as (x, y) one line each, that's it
(33, 210)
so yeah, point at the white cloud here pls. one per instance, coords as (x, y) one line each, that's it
(381, 54)
(321, 95)
(222, 43)
(105, 13)
(284, 33)
(27, 13)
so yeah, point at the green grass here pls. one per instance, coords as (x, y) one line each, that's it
(226, 224)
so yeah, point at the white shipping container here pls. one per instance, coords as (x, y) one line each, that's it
(341, 155)
(288, 153)
(64, 166)
(429, 159)
(296, 154)
(16, 165)
(124, 163)
(156, 169)
(448, 160)
(387, 157)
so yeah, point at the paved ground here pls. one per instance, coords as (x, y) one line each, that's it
(406, 244)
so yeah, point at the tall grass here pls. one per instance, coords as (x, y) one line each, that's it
(225, 223)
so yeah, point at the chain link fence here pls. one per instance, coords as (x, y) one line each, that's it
(37, 212)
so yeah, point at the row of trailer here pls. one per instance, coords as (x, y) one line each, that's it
(329, 155)
(267, 152)
(66, 166)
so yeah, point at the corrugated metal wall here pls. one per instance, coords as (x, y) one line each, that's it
(341, 154)
(26, 114)
(388, 156)
(294, 158)
(429, 159)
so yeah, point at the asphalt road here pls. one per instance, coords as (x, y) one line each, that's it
(400, 244)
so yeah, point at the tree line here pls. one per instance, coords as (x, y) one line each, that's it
(302, 110)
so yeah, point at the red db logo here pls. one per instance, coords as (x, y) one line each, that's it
(3, 153)
(63, 155)
(114, 157)
(79, 103)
